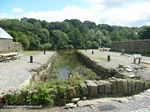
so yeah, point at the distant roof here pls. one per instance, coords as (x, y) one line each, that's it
(4, 34)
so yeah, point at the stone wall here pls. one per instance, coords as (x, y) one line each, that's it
(101, 71)
(113, 87)
(16, 46)
(139, 46)
(6, 45)
(40, 74)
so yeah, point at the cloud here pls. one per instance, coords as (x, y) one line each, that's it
(69, 12)
(128, 14)
(17, 10)
(113, 12)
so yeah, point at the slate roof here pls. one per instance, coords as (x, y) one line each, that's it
(4, 34)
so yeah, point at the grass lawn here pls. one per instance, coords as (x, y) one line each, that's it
(29, 53)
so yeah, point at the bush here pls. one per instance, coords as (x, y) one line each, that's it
(10, 99)
(61, 95)
(41, 98)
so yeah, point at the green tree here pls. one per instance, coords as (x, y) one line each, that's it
(90, 34)
(24, 40)
(44, 36)
(46, 46)
(99, 37)
(60, 39)
(88, 45)
(34, 34)
(144, 32)
(75, 38)
(94, 45)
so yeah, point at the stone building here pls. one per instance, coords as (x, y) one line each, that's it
(7, 44)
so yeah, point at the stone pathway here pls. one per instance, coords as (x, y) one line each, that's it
(136, 103)
(14, 73)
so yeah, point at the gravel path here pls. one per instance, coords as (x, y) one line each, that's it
(14, 73)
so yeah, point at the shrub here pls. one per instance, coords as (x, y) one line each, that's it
(10, 99)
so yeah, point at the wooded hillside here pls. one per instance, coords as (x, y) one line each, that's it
(37, 35)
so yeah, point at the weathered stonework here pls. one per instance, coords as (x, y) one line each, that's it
(141, 46)
(84, 89)
(6, 45)
(101, 71)
(114, 87)
(92, 87)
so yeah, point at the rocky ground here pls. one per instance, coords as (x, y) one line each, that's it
(136, 103)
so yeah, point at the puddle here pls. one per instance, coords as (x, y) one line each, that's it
(106, 108)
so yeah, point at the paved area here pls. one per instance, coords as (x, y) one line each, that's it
(14, 73)
(118, 59)
(136, 103)
(20, 109)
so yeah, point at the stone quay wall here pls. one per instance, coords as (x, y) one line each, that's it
(40, 74)
(101, 71)
(113, 87)
(137, 46)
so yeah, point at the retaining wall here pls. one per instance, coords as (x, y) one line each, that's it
(101, 71)
(40, 74)
(113, 87)
(140, 46)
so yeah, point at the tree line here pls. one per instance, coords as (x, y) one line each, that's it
(69, 34)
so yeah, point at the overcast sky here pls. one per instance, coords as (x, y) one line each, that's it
(113, 12)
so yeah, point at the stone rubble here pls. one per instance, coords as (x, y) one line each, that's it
(70, 105)
(75, 100)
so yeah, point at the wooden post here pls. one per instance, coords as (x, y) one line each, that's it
(44, 52)
(134, 60)
(108, 58)
(31, 59)
(92, 52)
(139, 60)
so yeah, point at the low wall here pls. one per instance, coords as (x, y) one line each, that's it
(113, 87)
(101, 71)
(113, 83)
(16, 46)
(139, 46)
